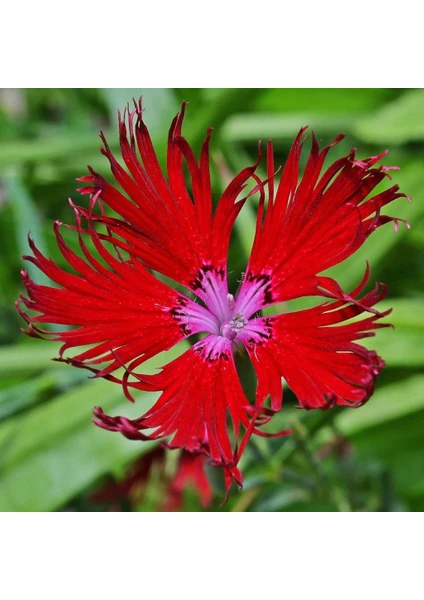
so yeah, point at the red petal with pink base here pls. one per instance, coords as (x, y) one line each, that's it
(315, 222)
(123, 312)
(315, 350)
(201, 391)
(172, 230)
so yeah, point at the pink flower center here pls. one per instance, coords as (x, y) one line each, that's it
(232, 327)
(222, 315)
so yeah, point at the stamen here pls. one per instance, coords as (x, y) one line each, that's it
(230, 301)
(230, 329)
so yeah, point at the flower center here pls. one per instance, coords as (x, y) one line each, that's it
(232, 327)
(221, 315)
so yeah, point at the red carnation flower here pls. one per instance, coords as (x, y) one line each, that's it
(126, 314)
(189, 474)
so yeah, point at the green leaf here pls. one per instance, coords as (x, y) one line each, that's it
(398, 122)
(397, 444)
(58, 471)
(398, 348)
(27, 358)
(254, 127)
(52, 452)
(24, 395)
(389, 428)
(54, 147)
(387, 404)
(401, 346)
(417, 233)
(322, 101)
(406, 312)
(280, 499)
(25, 215)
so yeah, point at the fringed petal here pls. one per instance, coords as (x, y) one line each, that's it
(173, 230)
(201, 395)
(117, 309)
(315, 350)
(313, 223)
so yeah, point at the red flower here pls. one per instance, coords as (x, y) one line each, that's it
(126, 314)
(132, 487)
(189, 473)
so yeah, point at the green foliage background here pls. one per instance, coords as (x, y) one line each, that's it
(52, 457)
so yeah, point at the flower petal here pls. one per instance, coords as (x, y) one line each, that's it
(118, 307)
(315, 350)
(200, 391)
(313, 224)
(172, 230)
(190, 473)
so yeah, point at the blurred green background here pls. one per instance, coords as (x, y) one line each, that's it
(51, 455)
